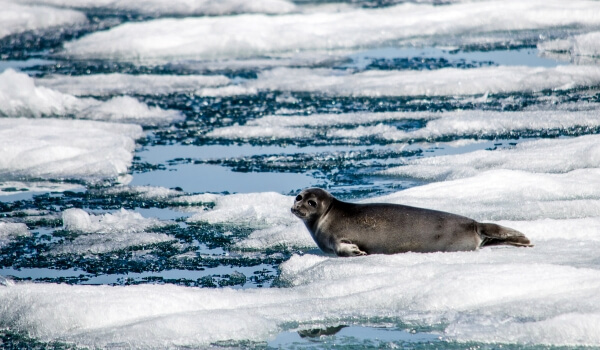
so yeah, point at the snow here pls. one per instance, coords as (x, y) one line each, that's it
(21, 97)
(9, 188)
(441, 82)
(65, 149)
(118, 83)
(108, 232)
(177, 7)
(17, 18)
(454, 124)
(566, 155)
(258, 35)
(9, 231)
(587, 44)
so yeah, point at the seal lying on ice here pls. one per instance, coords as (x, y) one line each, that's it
(350, 229)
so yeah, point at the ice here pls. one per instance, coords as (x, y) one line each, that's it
(21, 97)
(256, 210)
(9, 188)
(16, 17)
(532, 156)
(579, 45)
(117, 84)
(108, 232)
(65, 149)
(439, 125)
(177, 7)
(259, 35)
(9, 231)
(440, 82)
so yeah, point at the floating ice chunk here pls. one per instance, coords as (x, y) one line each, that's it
(439, 125)
(118, 84)
(108, 232)
(509, 195)
(258, 210)
(566, 155)
(65, 149)
(10, 231)
(17, 18)
(579, 45)
(259, 35)
(8, 188)
(440, 82)
(20, 97)
(291, 235)
(530, 292)
(177, 7)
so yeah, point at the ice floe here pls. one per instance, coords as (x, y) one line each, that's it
(119, 84)
(439, 125)
(441, 82)
(65, 149)
(258, 35)
(563, 155)
(9, 231)
(177, 7)
(526, 294)
(108, 232)
(587, 44)
(21, 97)
(9, 188)
(16, 17)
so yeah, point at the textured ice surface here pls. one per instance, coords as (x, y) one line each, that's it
(10, 231)
(108, 232)
(8, 188)
(177, 7)
(565, 155)
(441, 82)
(16, 17)
(439, 125)
(579, 45)
(257, 35)
(21, 97)
(65, 149)
(117, 83)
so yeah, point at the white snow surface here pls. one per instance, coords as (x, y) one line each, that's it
(255, 35)
(177, 7)
(65, 149)
(118, 83)
(566, 155)
(16, 17)
(587, 44)
(456, 123)
(21, 97)
(440, 82)
(10, 230)
(108, 232)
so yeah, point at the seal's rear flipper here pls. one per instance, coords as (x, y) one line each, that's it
(492, 234)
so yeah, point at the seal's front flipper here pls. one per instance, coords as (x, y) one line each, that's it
(346, 248)
(492, 234)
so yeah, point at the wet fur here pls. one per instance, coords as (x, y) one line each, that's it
(350, 229)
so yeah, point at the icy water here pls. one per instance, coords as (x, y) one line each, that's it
(150, 152)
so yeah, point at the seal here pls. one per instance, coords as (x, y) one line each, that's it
(351, 229)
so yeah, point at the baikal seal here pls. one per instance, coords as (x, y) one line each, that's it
(352, 229)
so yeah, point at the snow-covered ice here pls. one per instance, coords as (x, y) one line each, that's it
(108, 232)
(564, 155)
(441, 82)
(587, 44)
(65, 149)
(177, 7)
(118, 83)
(20, 96)
(16, 17)
(10, 231)
(454, 124)
(258, 35)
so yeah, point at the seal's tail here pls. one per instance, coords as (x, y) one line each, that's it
(492, 234)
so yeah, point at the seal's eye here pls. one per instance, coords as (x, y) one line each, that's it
(312, 203)
(298, 198)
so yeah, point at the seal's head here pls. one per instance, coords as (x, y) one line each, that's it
(311, 204)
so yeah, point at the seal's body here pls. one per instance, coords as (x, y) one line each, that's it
(350, 229)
